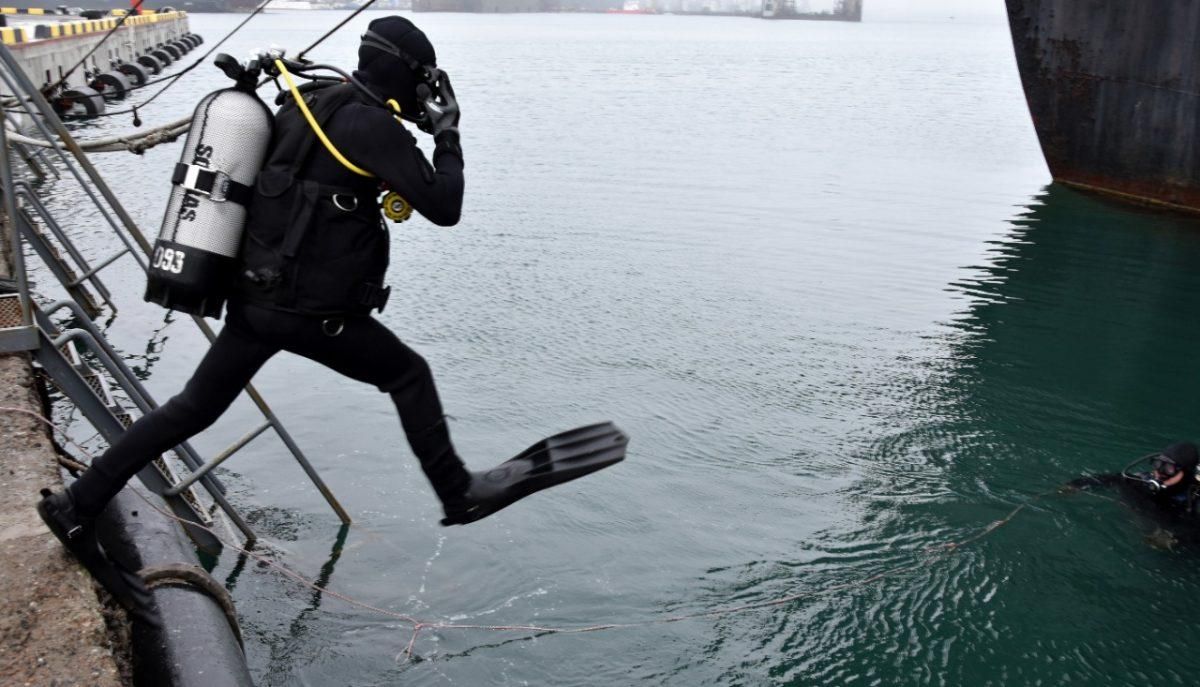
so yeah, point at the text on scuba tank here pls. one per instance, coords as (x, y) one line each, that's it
(168, 260)
(203, 156)
(191, 199)
(187, 208)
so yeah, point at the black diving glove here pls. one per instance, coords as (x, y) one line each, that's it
(441, 109)
(447, 142)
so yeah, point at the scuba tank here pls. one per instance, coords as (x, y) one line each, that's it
(195, 257)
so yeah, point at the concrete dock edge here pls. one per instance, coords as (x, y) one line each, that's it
(52, 630)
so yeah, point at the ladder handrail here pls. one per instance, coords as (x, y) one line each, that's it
(24, 191)
(17, 259)
(124, 382)
(103, 417)
(47, 114)
(137, 391)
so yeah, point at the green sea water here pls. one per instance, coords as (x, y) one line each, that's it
(818, 273)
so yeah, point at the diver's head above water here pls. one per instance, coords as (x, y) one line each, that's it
(1176, 464)
(396, 58)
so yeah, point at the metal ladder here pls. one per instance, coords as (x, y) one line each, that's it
(90, 390)
(65, 268)
(24, 326)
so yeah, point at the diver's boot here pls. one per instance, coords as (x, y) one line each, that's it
(78, 535)
(481, 498)
(551, 461)
(441, 465)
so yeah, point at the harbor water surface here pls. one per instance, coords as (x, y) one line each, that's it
(817, 272)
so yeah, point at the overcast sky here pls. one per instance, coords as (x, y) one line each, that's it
(899, 10)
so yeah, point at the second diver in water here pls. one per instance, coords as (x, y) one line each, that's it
(1167, 482)
(312, 263)
(1169, 477)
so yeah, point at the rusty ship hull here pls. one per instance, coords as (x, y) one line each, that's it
(1113, 90)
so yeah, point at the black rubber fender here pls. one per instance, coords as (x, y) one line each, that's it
(181, 45)
(198, 643)
(151, 63)
(172, 50)
(112, 85)
(136, 73)
(199, 39)
(193, 39)
(91, 101)
(162, 56)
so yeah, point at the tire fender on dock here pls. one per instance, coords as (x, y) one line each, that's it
(151, 63)
(162, 56)
(88, 98)
(136, 73)
(111, 85)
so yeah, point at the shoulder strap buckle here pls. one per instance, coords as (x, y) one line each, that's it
(374, 296)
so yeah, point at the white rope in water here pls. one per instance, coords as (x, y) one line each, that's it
(137, 143)
(932, 553)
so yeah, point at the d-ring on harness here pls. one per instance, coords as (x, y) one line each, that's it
(333, 326)
(348, 206)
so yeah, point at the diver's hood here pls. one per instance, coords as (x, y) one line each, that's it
(1183, 454)
(388, 74)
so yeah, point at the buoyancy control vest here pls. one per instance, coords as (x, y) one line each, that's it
(312, 247)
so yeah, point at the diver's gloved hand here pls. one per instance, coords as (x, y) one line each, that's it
(447, 142)
(441, 109)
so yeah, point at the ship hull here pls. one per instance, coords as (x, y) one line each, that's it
(1113, 90)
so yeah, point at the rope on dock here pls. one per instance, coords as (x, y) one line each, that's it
(136, 143)
(932, 554)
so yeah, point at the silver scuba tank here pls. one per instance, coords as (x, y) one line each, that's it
(195, 257)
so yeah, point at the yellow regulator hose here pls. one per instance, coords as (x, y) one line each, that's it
(312, 121)
(395, 207)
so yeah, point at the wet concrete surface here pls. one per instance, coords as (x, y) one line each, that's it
(53, 628)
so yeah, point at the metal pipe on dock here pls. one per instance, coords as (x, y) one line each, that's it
(199, 644)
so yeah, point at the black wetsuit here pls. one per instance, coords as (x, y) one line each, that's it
(356, 346)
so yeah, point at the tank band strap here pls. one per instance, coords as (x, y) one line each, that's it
(216, 185)
(374, 296)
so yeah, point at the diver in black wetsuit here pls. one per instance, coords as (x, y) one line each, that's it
(313, 258)
(1166, 480)
(314, 305)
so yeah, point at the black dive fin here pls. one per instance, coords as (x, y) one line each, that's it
(79, 537)
(554, 460)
